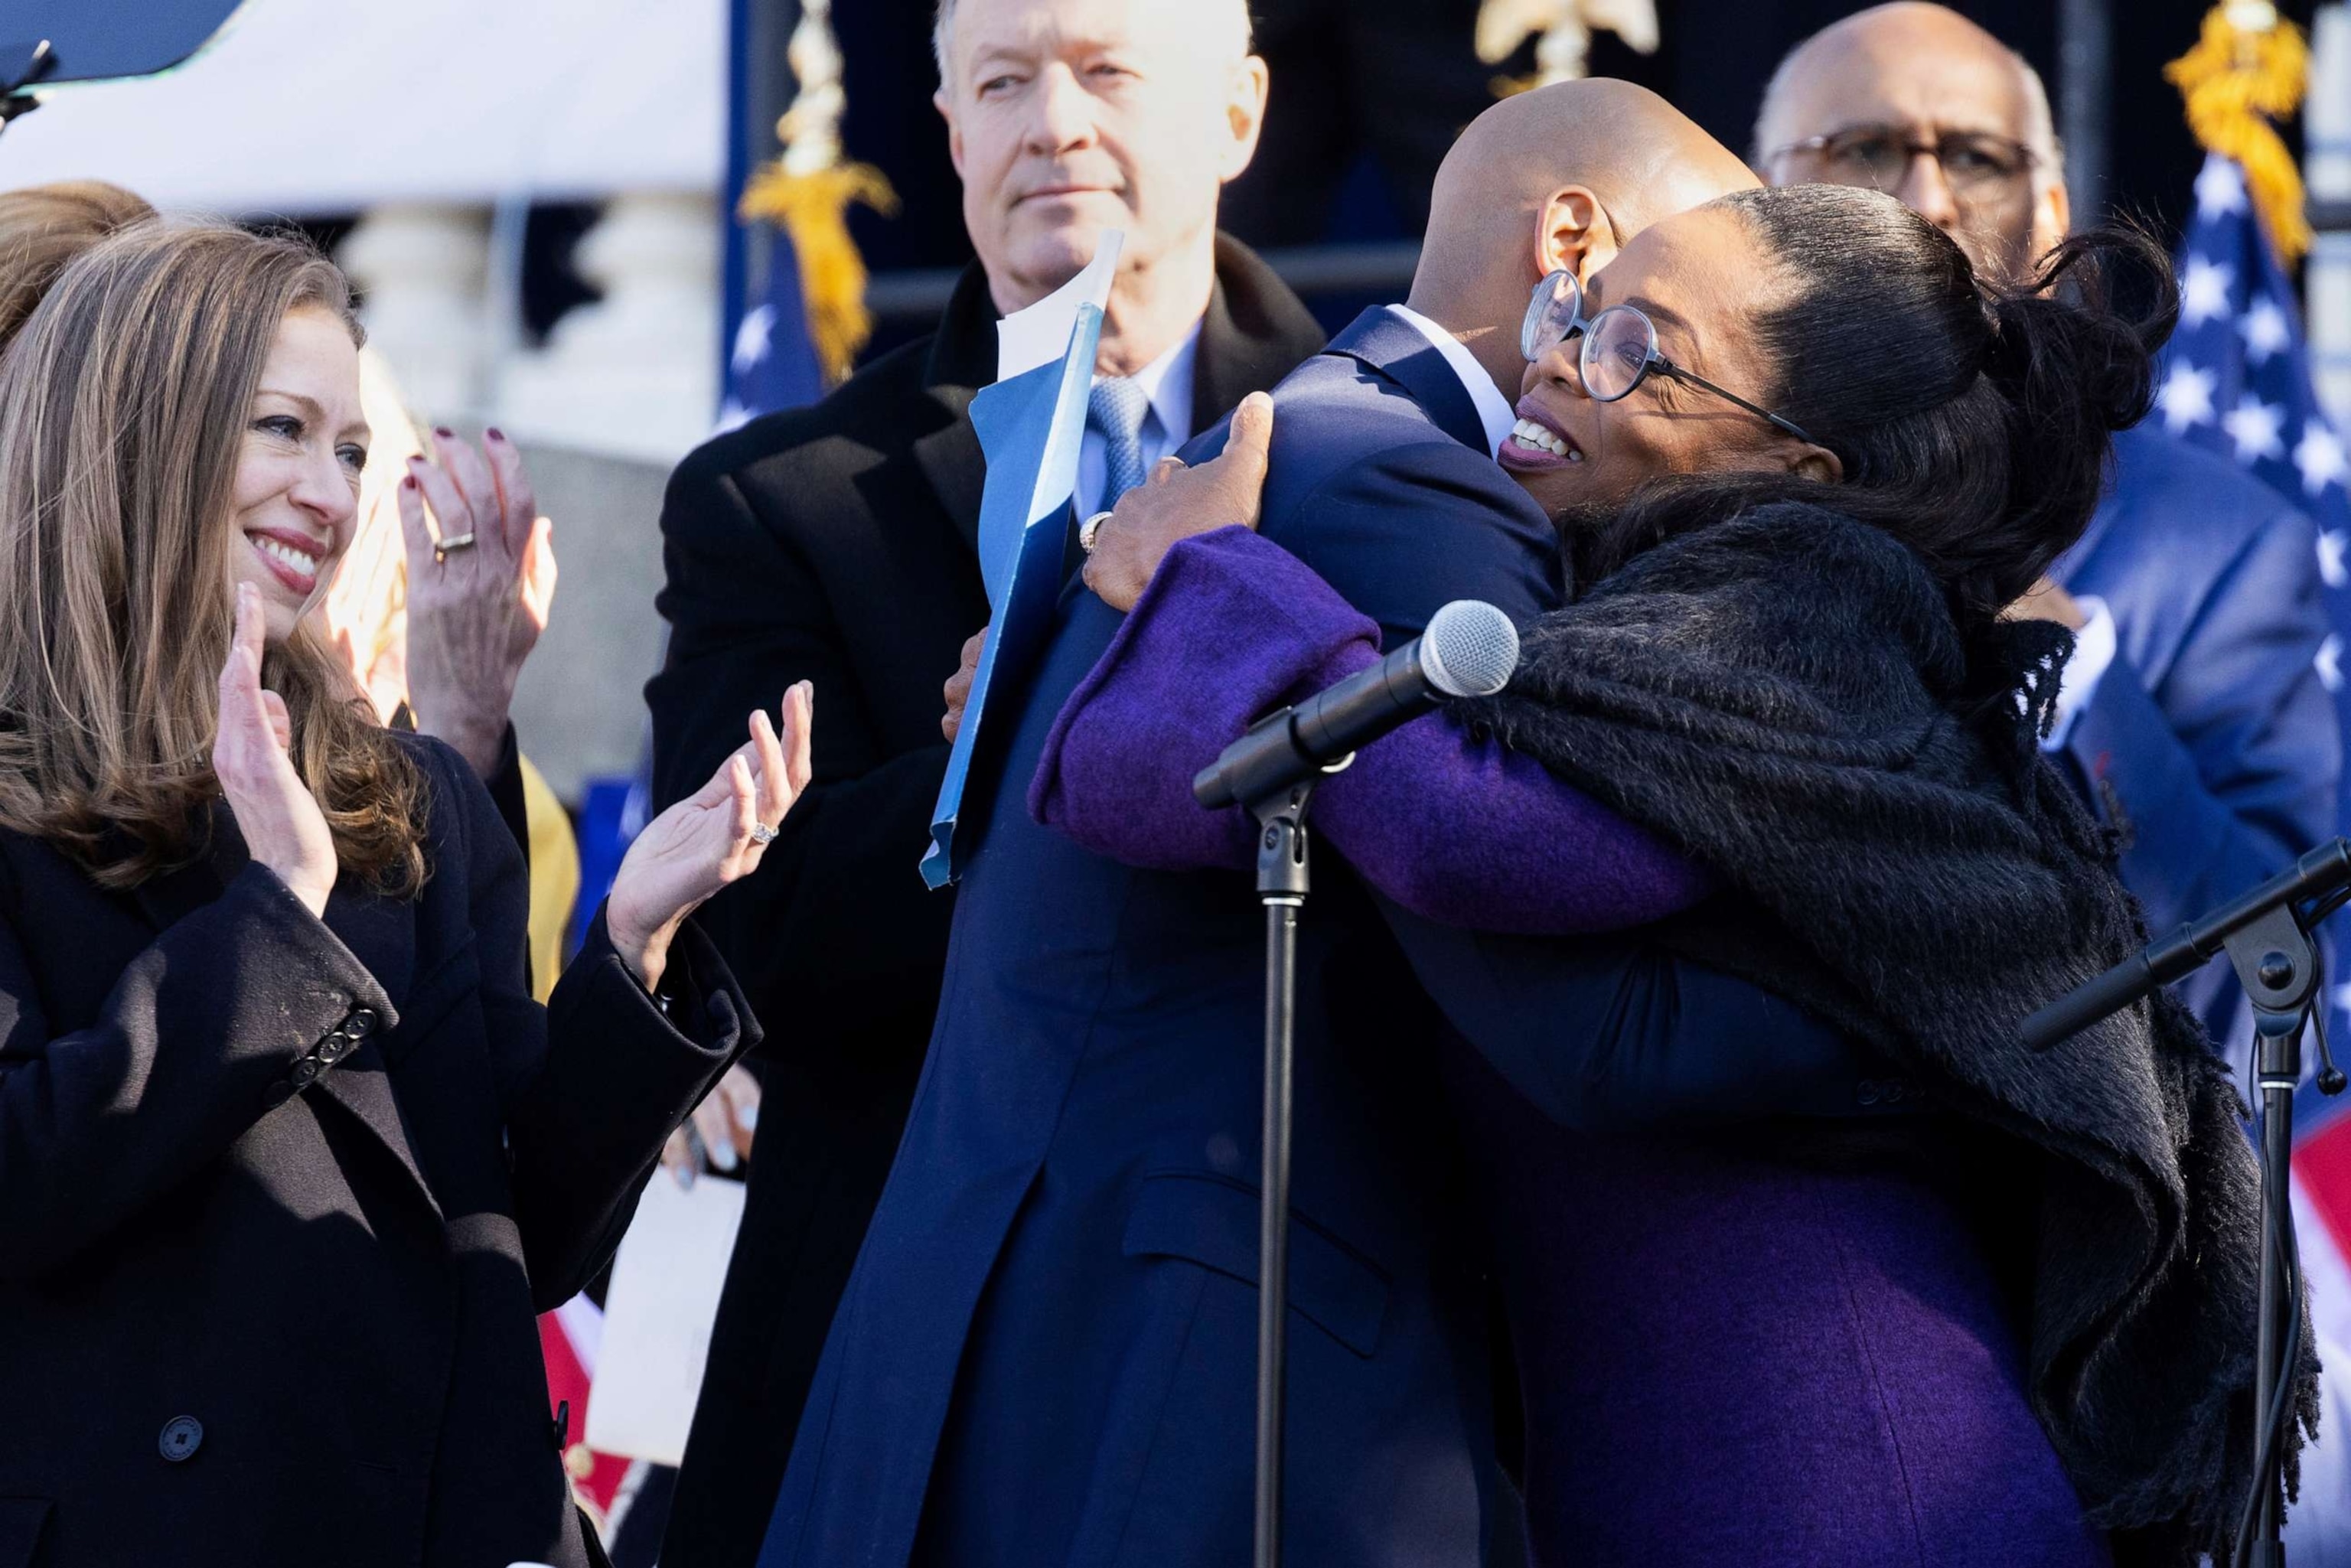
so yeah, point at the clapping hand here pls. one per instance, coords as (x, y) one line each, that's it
(711, 837)
(283, 827)
(479, 589)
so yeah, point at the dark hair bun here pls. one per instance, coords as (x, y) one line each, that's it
(2074, 367)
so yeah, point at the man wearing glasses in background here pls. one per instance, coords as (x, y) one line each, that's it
(2191, 716)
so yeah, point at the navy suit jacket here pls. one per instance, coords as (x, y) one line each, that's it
(2211, 742)
(1046, 1354)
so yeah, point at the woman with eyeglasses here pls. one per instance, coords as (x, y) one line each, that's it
(1805, 1258)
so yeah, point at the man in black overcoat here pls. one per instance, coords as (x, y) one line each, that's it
(836, 544)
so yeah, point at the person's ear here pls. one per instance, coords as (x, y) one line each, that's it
(945, 105)
(1245, 97)
(2052, 219)
(1573, 233)
(1817, 463)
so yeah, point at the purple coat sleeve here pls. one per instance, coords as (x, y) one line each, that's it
(1459, 831)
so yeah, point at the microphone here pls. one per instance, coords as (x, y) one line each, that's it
(1469, 651)
(2174, 957)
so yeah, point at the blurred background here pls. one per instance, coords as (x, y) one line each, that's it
(537, 198)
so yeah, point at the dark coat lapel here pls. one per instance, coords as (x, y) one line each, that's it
(167, 899)
(381, 935)
(1385, 342)
(962, 360)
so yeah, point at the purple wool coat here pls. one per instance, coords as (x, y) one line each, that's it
(1727, 1356)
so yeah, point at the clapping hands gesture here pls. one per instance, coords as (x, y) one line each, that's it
(283, 827)
(479, 589)
(711, 837)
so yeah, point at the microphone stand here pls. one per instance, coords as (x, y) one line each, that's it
(2278, 964)
(2266, 935)
(1282, 887)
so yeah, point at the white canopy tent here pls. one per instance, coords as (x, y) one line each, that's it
(314, 107)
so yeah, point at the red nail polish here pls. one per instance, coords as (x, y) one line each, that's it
(409, 483)
(494, 433)
(444, 432)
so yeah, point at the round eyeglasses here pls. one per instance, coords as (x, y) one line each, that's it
(1620, 348)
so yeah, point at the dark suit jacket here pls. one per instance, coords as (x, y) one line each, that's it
(1046, 1353)
(2211, 742)
(836, 544)
(279, 1200)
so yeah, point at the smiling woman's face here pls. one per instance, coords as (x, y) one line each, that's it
(1703, 280)
(297, 473)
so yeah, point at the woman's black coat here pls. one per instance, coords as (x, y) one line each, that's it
(279, 1200)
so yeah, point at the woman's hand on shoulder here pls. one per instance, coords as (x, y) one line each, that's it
(1176, 503)
(283, 827)
(711, 837)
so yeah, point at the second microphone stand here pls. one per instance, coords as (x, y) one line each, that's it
(2278, 964)
(2266, 933)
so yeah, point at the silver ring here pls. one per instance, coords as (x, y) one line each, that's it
(452, 542)
(1089, 532)
(762, 834)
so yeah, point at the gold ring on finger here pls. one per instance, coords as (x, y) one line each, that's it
(452, 542)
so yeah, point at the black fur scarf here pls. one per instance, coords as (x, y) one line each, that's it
(1786, 697)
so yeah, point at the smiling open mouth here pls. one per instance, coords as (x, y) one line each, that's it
(1534, 444)
(294, 565)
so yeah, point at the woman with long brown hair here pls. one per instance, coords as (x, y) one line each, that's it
(289, 1157)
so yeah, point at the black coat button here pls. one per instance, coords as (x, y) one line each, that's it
(304, 1070)
(361, 1020)
(334, 1047)
(183, 1436)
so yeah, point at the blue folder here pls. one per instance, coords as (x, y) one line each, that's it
(1030, 427)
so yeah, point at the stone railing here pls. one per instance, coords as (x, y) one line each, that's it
(622, 389)
(632, 376)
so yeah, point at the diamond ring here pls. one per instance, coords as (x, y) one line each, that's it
(762, 834)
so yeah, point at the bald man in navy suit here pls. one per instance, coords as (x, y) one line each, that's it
(1046, 1353)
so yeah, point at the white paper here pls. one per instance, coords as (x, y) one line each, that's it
(1040, 333)
(657, 1317)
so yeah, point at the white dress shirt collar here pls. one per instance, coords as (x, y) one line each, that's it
(1494, 411)
(1167, 383)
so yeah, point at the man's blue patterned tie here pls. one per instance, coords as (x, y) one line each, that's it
(1117, 408)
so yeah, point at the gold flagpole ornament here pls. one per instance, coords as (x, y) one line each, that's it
(808, 190)
(2250, 67)
(1562, 32)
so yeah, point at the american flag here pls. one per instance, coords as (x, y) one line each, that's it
(2237, 379)
(773, 364)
